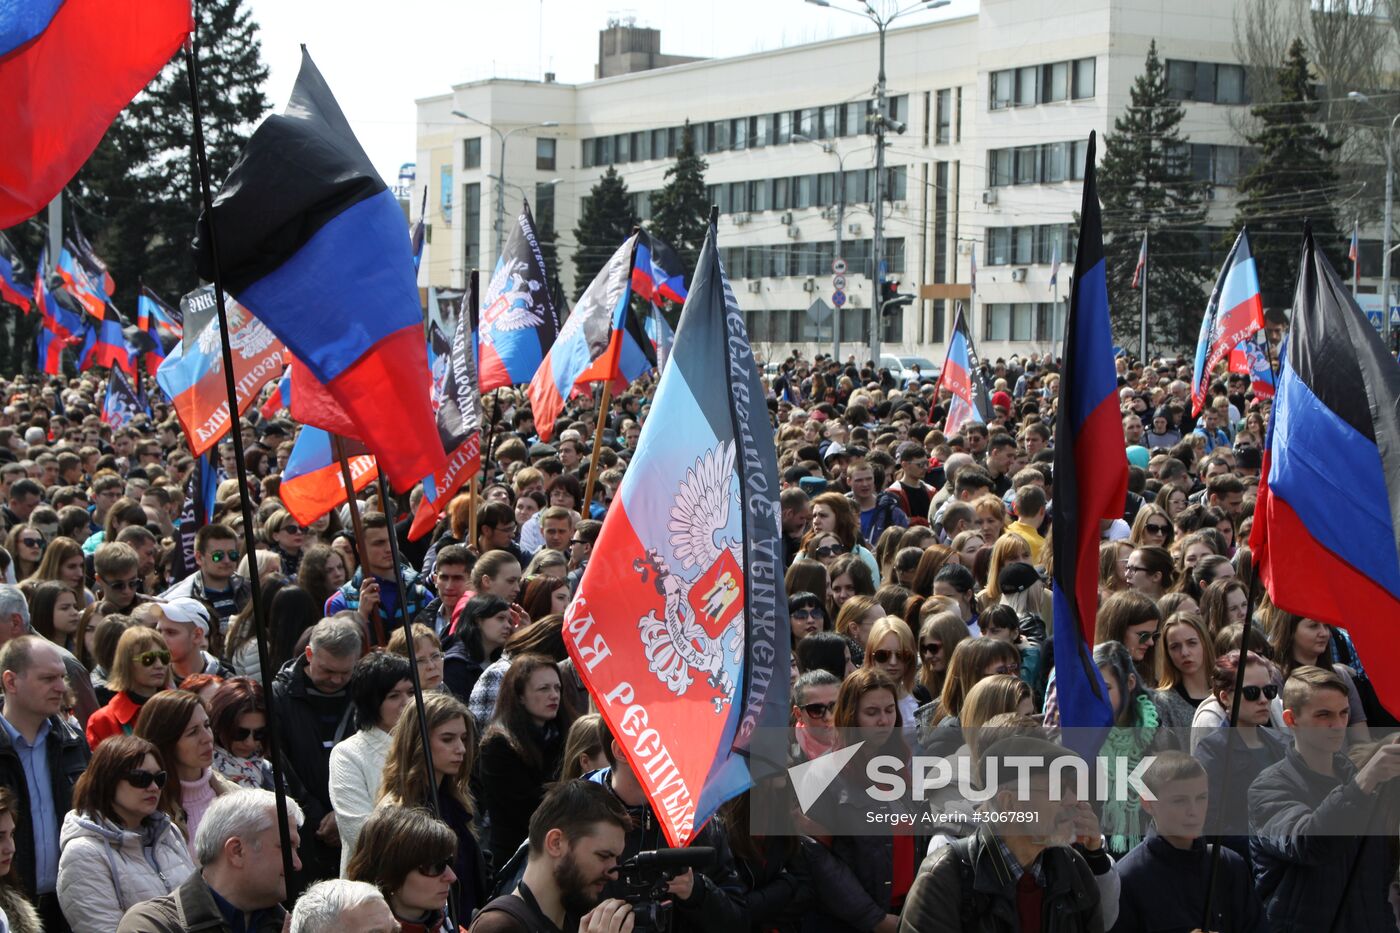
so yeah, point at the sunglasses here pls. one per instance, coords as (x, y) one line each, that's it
(243, 735)
(293, 529)
(885, 656)
(1252, 693)
(120, 584)
(931, 649)
(434, 869)
(32, 542)
(1148, 638)
(830, 550)
(230, 556)
(1157, 529)
(818, 710)
(143, 779)
(150, 657)
(805, 614)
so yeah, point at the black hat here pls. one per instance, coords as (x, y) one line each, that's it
(1248, 458)
(1017, 577)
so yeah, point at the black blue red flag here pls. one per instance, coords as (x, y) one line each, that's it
(80, 283)
(1325, 523)
(200, 492)
(600, 341)
(1234, 313)
(1091, 473)
(657, 273)
(96, 268)
(13, 287)
(104, 344)
(962, 376)
(1251, 358)
(679, 627)
(68, 68)
(312, 242)
(63, 323)
(157, 317)
(121, 404)
(518, 319)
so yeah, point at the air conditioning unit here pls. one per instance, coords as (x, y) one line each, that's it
(786, 217)
(853, 229)
(989, 196)
(755, 286)
(810, 285)
(828, 213)
(740, 219)
(1018, 275)
(793, 233)
(852, 300)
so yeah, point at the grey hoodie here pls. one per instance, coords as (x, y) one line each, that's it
(104, 869)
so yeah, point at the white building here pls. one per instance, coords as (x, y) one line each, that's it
(997, 105)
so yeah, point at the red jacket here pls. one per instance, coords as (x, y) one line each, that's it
(116, 718)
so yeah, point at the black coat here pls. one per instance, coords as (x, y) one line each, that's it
(512, 787)
(1310, 832)
(777, 887)
(967, 887)
(1164, 890)
(67, 753)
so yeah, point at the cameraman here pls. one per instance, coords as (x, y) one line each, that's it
(705, 901)
(576, 838)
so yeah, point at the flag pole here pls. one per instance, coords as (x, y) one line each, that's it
(279, 787)
(1142, 338)
(387, 501)
(597, 446)
(338, 448)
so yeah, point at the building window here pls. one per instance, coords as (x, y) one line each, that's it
(758, 195)
(471, 227)
(1083, 78)
(544, 206)
(546, 148)
(928, 114)
(782, 123)
(738, 196)
(660, 140)
(471, 152)
(1026, 86)
(804, 191)
(641, 204)
(1003, 89)
(1010, 322)
(782, 188)
(1206, 82)
(896, 186)
(855, 118)
(944, 117)
(1054, 82)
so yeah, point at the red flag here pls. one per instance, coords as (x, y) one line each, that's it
(68, 69)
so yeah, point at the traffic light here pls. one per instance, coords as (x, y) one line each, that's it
(891, 298)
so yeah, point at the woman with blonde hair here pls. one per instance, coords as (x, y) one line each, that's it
(855, 619)
(1113, 563)
(1185, 662)
(1152, 528)
(140, 669)
(583, 748)
(63, 561)
(991, 517)
(890, 648)
(452, 739)
(993, 696)
(1009, 549)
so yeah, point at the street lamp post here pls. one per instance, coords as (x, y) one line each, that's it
(881, 123)
(500, 177)
(1389, 210)
(830, 149)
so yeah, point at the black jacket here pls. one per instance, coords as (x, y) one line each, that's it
(1228, 810)
(1310, 831)
(967, 887)
(1164, 890)
(68, 755)
(513, 787)
(777, 887)
(713, 906)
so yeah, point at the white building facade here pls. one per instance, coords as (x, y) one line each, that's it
(997, 108)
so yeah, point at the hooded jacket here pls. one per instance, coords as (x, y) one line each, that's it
(104, 869)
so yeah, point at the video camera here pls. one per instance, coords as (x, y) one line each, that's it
(643, 879)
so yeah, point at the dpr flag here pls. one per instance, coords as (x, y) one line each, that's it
(657, 273)
(1234, 313)
(12, 275)
(1090, 485)
(600, 341)
(121, 404)
(312, 242)
(312, 483)
(679, 627)
(962, 376)
(1251, 359)
(518, 320)
(1325, 524)
(192, 376)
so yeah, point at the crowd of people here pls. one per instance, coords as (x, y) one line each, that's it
(136, 740)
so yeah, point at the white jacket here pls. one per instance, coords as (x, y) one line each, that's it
(103, 869)
(357, 768)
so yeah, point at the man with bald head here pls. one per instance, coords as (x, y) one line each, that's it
(41, 756)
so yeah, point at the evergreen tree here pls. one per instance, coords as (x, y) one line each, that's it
(138, 197)
(604, 223)
(1294, 179)
(680, 212)
(1145, 184)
